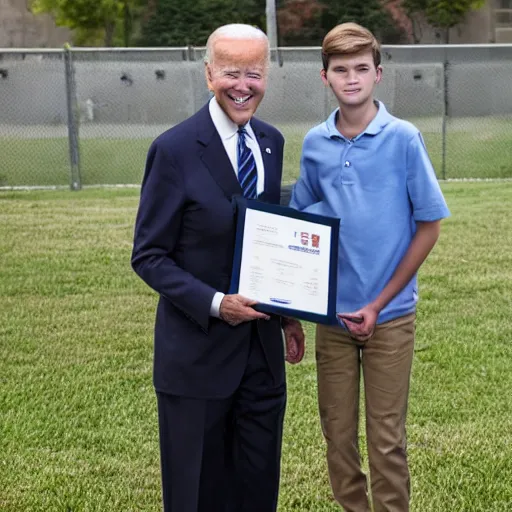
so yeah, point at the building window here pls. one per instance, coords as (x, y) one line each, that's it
(503, 13)
(504, 4)
(504, 18)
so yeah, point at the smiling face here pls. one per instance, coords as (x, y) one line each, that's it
(352, 78)
(237, 75)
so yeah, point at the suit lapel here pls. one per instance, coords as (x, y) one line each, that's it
(268, 153)
(214, 156)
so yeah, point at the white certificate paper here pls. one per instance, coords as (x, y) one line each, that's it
(285, 262)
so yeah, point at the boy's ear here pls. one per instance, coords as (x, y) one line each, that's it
(378, 78)
(323, 76)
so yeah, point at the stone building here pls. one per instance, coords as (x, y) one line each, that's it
(19, 28)
(490, 24)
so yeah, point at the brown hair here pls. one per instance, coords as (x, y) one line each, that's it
(349, 39)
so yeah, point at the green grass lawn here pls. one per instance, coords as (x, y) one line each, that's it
(476, 149)
(78, 426)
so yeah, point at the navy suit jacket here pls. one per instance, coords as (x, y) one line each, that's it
(183, 249)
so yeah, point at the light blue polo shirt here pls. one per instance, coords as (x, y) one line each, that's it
(379, 185)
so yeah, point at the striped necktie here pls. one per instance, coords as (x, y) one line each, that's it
(247, 174)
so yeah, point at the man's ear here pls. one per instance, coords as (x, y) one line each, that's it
(208, 75)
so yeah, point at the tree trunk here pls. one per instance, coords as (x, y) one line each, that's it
(109, 33)
(127, 24)
(417, 31)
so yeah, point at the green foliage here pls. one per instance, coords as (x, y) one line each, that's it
(305, 22)
(299, 23)
(178, 23)
(441, 14)
(91, 19)
(371, 14)
(87, 14)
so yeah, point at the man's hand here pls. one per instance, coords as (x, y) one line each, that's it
(294, 339)
(235, 309)
(360, 324)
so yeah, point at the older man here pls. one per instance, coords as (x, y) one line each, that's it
(218, 363)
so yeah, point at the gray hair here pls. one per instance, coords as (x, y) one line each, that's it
(234, 31)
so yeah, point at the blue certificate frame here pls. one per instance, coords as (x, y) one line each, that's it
(242, 206)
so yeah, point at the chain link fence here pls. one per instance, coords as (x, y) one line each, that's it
(78, 117)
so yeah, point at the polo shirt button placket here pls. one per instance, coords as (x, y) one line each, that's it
(346, 164)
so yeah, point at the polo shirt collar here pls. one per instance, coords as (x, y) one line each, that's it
(377, 124)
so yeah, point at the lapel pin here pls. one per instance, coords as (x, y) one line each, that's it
(268, 151)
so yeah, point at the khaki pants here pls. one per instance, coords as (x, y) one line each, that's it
(386, 361)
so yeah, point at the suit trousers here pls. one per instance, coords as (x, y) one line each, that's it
(223, 455)
(385, 360)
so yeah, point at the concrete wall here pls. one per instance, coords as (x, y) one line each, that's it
(162, 88)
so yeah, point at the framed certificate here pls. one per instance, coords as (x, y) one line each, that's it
(286, 260)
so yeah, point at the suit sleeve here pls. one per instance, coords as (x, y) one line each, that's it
(303, 192)
(157, 231)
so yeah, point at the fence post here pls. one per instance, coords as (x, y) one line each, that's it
(189, 56)
(73, 120)
(445, 115)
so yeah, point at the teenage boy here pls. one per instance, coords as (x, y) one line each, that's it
(372, 171)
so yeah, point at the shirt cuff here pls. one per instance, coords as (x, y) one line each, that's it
(215, 307)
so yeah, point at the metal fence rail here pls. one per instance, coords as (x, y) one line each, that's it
(80, 116)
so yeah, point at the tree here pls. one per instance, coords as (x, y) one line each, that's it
(440, 14)
(178, 23)
(371, 14)
(300, 24)
(305, 22)
(92, 18)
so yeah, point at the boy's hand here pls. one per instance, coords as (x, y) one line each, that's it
(360, 324)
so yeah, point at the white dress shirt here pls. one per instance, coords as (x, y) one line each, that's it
(228, 132)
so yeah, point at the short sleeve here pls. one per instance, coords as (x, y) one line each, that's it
(427, 200)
